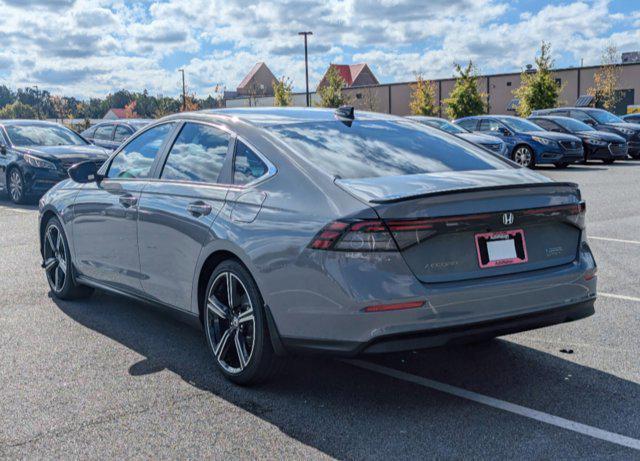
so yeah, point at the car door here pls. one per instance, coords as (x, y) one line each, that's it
(103, 136)
(178, 208)
(4, 159)
(105, 213)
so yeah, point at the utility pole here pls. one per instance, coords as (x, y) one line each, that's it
(184, 92)
(37, 101)
(306, 64)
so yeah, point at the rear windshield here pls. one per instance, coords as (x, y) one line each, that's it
(369, 149)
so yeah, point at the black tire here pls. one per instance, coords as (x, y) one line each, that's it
(237, 363)
(15, 186)
(58, 264)
(523, 155)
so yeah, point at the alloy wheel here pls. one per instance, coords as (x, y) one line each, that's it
(55, 259)
(15, 185)
(522, 156)
(231, 322)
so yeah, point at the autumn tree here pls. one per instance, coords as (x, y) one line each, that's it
(538, 89)
(60, 107)
(130, 110)
(18, 109)
(369, 99)
(331, 93)
(282, 91)
(465, 99)
(423, 97)
(606, 79)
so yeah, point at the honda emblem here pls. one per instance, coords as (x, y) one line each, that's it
(507, 219)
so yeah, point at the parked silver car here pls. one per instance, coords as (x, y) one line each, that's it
(286, 230)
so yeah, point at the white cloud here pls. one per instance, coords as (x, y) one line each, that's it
(91, 47)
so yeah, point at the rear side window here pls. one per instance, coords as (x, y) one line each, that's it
(197, 154)
(104, 132)
(122, 133)
(136, 158)
(88, 133)
(469, 124)
(247, 166)
(374, 148)
(546, 124)
(579, 115)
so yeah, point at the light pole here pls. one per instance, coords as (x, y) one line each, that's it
(184, 92)
(306, 64)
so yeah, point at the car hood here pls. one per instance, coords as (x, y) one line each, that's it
(602, 135)
(627, 125)
(389, 188)
(66, 153)
(553, 136)
(480, 138)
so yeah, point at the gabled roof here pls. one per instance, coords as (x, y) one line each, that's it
(245, 81)
(349, 72)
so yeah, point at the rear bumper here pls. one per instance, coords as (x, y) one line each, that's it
(459, 334)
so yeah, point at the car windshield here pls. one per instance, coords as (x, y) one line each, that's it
(25, 135)
(573, 125)
(602, 116)
(518, 124)
(375, 148)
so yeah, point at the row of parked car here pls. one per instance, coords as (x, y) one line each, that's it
(560, 136)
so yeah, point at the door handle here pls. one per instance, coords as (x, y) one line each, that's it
(128, 200)
(199, 208)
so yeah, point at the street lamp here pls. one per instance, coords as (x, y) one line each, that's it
(184, 92)
(306, 64)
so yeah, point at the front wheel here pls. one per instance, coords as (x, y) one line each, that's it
(236, 328)
(523, 156)
(16, 186)
(57, 264)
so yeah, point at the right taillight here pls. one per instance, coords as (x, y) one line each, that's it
(371, 235)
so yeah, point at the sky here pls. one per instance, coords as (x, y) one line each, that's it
(88, 48)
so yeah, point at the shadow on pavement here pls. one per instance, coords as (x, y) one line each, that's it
(350, 413)
(6, 202)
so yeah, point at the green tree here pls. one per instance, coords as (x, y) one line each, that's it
(466, 99)
(18, 109)
(6, 96)
(422, 97)
(331, 93)
(606, 80)
(538, 90)
(282, 92)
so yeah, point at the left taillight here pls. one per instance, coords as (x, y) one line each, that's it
(371, 235)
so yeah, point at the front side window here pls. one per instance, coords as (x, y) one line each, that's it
(546, 124)
(581, 115)
(104, 133)
(469, 124)
(247, 166)
(30, 135)
(136, 158)
(517, 124)
(197, 154)
(122, 133)
(488, 124)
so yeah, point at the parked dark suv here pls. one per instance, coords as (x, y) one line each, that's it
(601, 120)
(111, 134)
(528, 144)
(600, 145)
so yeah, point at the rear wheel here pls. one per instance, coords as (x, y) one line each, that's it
(236, 328)
(523, 156)
(57, 264)
(16, 186)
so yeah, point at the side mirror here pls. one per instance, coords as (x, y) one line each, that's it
(3, 149)
(504, 132)
(84, 172)
(590, 122)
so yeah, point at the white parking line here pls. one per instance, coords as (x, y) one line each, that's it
(501, 404)
(611, 295)
(634, 242)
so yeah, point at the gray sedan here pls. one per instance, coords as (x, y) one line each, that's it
(294, 230)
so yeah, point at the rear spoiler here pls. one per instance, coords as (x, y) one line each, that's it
(382, 201)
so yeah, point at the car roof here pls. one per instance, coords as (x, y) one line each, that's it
(271, 116)
(553, 117)
(426, 117)
(16, 122)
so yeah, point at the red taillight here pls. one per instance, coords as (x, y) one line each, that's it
(394, 307)
(371, 235)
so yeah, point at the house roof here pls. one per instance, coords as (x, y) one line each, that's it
(245, 81)
(349, 72)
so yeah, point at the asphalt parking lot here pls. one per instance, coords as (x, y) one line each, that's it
(108, 377)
